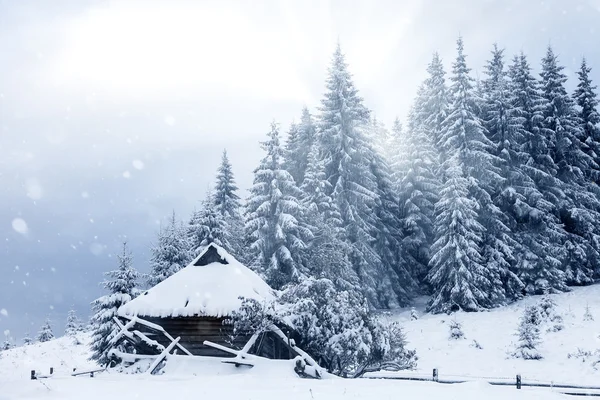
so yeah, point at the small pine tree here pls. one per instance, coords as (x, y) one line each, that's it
(45, 333)
(414, 315)
(122, 288)
(529, 335)
(27, 339)
(587, 316)
(7, 345)
(73, 324)
(456, 330)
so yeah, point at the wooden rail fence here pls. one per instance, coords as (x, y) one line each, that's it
(517, 382)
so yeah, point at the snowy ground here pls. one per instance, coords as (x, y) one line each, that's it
(494, 331)
(275, 380)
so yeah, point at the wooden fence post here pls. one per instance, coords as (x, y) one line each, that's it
(435, 375)
(51, 370)
(518, 381)
(33, 374)
(92, 374)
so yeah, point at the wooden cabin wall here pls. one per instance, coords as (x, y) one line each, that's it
(193, 331)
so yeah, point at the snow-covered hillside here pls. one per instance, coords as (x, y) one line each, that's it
(495, 332)
(62, 354)
(185, 378)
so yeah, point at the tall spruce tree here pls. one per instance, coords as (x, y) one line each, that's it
(458, 277)
(121, 286)
(327, 253)
(586, 98)
(275, 224)
(228, 204)
(399, 287)
(171, 252)
(474, 169)
(347, 159)
(419, 188)
(433, 109)
(225, 196)
(298, 145)
(536, 226)
(578, 208)
(501, 249)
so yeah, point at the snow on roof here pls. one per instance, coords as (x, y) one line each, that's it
(206, 287)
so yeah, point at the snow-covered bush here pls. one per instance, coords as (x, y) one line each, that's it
(335, 327)
(456, 330)
(27, 339)
(45, 333)
(413, 314)
(529, 335)
(587, 315)
(7, 345)
(476, 345)
(548, 313)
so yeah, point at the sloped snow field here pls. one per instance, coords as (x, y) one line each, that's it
(192, 379)
(495, 332)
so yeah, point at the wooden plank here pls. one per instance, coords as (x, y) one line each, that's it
(162, 356)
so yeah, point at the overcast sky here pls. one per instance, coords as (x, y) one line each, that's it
(114, 113)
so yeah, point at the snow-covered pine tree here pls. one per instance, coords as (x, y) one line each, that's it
(275, 224)
(121, 287)
(27, 339)
(587, 315)
(207, 225)
(397, 158)
(578, 209)
(458, 274)
(586, 98)
(73, 324)
(529, 335)
(536, 227)
(456, 331)
(45, 334)
(171, 252)
(508, 194)
(7, 345)
(229, 205)
(435, 106)
(225, 196)
(298, 146)
(327, 253)
(419, 188)
(476, 155)
(399, 286)
(347, 158)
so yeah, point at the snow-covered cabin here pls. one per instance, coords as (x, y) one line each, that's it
(194, 305)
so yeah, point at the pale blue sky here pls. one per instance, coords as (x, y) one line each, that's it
(113, 113)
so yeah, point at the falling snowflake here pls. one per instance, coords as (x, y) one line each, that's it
(4, 312)
(126, 174)
(34, 189)
(138, 164)
(20, 226)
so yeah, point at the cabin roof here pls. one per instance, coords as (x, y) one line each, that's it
(209, 286)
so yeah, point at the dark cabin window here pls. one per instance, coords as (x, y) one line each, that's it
(210, 256)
